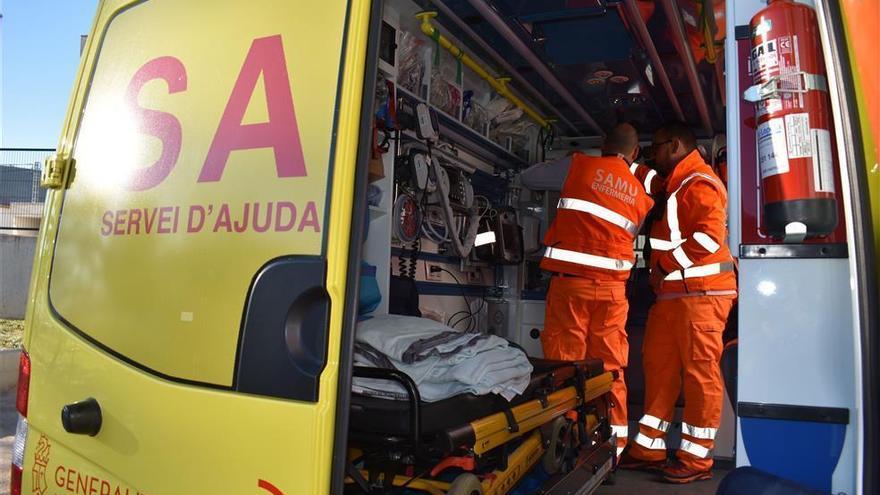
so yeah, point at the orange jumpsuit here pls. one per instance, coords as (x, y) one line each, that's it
(590, 251)
(683, 336)
(648, 177)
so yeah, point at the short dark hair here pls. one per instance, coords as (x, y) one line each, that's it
(622, 139)
(682, 132)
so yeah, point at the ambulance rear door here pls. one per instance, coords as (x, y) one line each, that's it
(191, 277)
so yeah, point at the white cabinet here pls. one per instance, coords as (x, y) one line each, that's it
(532, 312)
(530, 339)
(531, 324)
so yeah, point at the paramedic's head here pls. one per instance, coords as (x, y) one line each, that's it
(671, 144)
(622, 140)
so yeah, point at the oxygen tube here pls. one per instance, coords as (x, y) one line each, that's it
(462, 248)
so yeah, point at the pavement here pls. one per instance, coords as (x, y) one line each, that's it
(8, 418)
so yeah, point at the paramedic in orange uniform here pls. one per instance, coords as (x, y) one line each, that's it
(590, 253)
(692, 272)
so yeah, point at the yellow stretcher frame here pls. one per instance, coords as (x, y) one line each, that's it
(493, 431)
(498, 483)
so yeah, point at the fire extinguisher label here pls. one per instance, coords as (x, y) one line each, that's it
(764, 56)
(777, 61)
(823, 167)
(772, 153)
(763, 65)
(797, 132)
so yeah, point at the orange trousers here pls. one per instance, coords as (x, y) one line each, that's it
(586, 318)
(683, 346)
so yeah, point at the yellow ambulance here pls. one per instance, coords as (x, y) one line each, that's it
(194, 298)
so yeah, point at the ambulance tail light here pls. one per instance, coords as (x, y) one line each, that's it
(24, 383)
(21, 430)
(15, 481)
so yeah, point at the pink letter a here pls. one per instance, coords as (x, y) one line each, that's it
(265, 56)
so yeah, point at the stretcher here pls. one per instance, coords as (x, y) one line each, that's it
(484, 445)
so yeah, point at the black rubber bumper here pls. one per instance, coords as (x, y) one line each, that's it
(819, 215)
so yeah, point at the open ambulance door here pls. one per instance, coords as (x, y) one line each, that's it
(188, 326)
(849, 29)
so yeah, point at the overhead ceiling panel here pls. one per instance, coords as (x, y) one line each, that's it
(585, 40)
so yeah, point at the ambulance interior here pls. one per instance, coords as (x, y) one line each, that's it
(488, 90)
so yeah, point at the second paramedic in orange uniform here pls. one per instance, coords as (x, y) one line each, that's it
(692, 272)
(590, 252)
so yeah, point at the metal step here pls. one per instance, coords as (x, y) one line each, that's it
(589, 474)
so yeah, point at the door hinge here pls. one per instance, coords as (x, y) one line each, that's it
(56, 170)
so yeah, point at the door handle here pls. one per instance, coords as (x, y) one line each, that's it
(82, 418)
(286, 328)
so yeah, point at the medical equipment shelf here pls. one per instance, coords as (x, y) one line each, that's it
(469, 139)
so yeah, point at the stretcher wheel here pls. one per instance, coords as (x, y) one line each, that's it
(465, 484)
(554, 454)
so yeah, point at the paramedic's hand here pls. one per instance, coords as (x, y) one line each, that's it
(656, 279)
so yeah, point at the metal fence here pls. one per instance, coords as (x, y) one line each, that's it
(21, 198)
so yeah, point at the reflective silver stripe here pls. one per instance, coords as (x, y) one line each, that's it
(650, 443)
(682, 258)
(648, 179)
(672, 217)
(694, 449)
(620, 431)
(661, 245)
(707, 242)
(633, 167)
(619, 451)
(672, 214)
(696, 271)
(701, 432)
(600, 211)
(587, 259)
(695, 175)
(654, 422)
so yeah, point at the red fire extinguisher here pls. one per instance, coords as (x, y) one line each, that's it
(795, 153)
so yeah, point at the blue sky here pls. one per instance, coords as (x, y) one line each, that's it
(40, 53)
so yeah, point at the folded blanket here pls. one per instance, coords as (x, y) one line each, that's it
(411, 339)
(441, 361)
